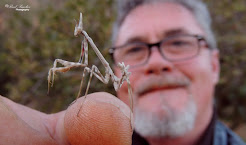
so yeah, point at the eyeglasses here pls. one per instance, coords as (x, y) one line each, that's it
(174, 48)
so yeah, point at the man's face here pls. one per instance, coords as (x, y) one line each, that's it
(155, 102)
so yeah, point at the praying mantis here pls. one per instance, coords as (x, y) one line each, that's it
(83, 62)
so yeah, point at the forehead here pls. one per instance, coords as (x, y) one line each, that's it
(151, 22)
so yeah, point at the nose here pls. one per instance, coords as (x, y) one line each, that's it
(157, 64)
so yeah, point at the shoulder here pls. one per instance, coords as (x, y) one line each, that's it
(225, 136)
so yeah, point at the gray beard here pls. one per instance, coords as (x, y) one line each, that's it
(173, 124)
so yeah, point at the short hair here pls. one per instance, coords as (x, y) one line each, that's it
(196, 7)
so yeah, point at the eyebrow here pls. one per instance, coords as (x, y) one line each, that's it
(172, 32)
(168, 33)
(136, 39)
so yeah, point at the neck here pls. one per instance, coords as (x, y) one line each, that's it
(191, 137)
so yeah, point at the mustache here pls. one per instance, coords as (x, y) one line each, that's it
(158, 82)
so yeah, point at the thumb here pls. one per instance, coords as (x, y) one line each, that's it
(102, 120)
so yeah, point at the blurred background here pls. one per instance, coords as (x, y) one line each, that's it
(31, 40)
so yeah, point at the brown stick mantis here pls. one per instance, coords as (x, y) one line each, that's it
(83, 62)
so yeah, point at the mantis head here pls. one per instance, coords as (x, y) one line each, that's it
(124, 69)
(79, 26)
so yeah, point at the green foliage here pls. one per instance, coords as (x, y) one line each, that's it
(31, 41)
(229, 25)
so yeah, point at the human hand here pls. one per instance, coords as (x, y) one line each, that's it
(103, 120)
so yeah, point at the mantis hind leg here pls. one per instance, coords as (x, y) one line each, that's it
(81, 85)
(93, 71)
(131, 103)
(87, 88)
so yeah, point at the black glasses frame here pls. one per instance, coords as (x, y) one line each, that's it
(158, 44)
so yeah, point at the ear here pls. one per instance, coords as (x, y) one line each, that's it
(215, 65)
